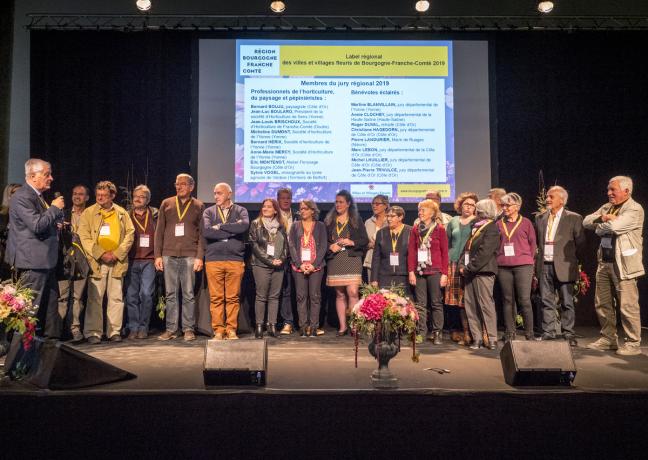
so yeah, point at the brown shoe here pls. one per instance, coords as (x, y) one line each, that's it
(287, 329)
(142, 335)
(189, 336)
(455, 336)
(218, 336)
(319, 331)
(167, 335)
(132, 335)
(231, 335)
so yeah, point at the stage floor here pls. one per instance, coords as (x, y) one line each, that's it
(326, 363)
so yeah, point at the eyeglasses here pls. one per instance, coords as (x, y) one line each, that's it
(181, 184)
(508, 205)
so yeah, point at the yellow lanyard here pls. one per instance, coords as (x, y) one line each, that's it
(506, 232)
(552, 219)
(339, 229)
(479, 230)
(43, 202)
(222, 216)
(394, 238)
(181, 216)
(136, 220)
(427, 235)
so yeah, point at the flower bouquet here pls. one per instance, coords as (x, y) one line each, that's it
(582, 284)
(384, 314)
(16, 310)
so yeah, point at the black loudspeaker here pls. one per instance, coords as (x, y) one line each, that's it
(57, 366)
(530, 363)
(235, 362)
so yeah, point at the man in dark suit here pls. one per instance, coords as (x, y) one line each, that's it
(32, 243)
(560, 238)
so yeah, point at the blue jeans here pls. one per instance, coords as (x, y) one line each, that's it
(140, 283)
(179, 271)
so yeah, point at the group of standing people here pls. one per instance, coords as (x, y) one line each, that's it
(440, 260)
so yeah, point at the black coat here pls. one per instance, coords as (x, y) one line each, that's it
(357, 235)
(259, 238)
(383, 248)
(483, 252)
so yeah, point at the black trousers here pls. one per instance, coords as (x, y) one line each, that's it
(429, 297)
(45, 286)
(552, 322)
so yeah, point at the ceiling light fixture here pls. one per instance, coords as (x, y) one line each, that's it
(278, 7)
(545, 7)
(143, 5)
(422, 6)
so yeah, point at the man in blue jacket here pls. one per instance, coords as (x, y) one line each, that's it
(32, 243)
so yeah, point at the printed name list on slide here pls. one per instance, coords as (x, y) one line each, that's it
(357, 114)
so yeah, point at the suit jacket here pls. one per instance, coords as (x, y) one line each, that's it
(569, 240)
(627, 227)
(321, 243)
(32, 242)
(483, 252)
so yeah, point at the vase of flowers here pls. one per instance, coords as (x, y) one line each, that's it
(385, 315)
(17, 313)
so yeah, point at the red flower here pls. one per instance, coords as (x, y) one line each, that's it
(373, 306)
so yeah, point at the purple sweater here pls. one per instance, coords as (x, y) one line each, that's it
(524, 242)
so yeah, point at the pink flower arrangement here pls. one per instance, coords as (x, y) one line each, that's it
(17, 312)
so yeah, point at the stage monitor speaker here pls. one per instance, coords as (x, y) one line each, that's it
(54, 365)
(530, 363)
(235, 362)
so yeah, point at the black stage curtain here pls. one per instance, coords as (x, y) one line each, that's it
(113, 106)
(574, 105)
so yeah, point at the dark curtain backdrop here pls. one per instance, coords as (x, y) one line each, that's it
(113, 106)
(572, 105)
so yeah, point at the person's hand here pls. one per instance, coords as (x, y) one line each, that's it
(372, 244)
(159, 265)
(276, 262)
(608, 217)
(461, 271)
(335, 248)
(198, 265)
(374, 283)
(412, 278)
(444, 280)
(108, 257)
(59, 202)
(347, 242)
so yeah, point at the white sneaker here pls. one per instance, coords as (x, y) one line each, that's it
(629, 350)
(602, 344)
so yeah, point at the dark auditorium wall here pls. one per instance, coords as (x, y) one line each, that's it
(574, 105)
(6, 43)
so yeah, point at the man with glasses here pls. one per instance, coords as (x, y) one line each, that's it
(32, 242)
(179, 251)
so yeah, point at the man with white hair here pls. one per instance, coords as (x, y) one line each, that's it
(619, 223)
(560, 239)
(32, 243)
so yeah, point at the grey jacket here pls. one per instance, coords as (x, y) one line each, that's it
(628, 227)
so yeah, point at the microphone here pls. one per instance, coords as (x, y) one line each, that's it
(60, 220)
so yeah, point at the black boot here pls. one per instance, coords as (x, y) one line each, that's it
(272, 330)
(258, 332)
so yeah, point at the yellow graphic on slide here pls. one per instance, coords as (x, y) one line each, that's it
(364, 61)
(419, 190)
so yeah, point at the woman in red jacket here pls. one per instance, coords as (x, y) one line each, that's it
(427, 264)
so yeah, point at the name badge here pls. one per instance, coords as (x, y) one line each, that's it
(393, 259)
(509, 250)
(144, 241)
(179, 229)
(606, 242)
(104, 230)
(548, 249)
(466, 258)
(422, 255)
(306, 255)
(270, 250)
